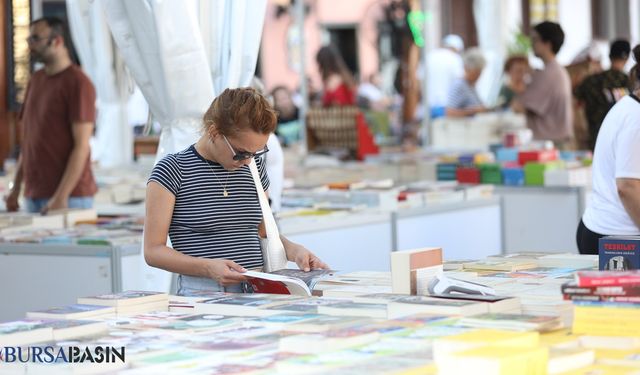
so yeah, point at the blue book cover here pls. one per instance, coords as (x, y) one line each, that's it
(619, 253)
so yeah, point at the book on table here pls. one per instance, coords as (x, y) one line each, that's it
(286, 281)
(249, 304)
(411, 270)
(513, 322)
(24, 332)
(619, 253)
(75, 311)
(126, 298)
(607, 278)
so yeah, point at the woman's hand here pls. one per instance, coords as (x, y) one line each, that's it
(305, 259)
(225, 272)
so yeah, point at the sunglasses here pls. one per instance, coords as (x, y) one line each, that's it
(244, 155)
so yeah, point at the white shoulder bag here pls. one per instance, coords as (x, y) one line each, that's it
(273, 253)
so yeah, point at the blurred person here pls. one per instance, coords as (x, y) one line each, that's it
(444, 67)
(614, 208)
(283, 104)
(517, 70)
(547, 100)
(338, 82)
(57, 117)
(463, 98)
(599, 92)
(371, 95)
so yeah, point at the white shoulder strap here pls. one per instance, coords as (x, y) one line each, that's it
(275, 256)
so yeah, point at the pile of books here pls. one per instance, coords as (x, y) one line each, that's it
(607, 303)
(360, 329)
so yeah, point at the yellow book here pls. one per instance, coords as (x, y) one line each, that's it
(567, 359)
(607, 312)
(602, 330)
(618, 357)
(601, 369)
(618, 321)
(497, 361)
(445, 346)
(429, 369)
(562, 338)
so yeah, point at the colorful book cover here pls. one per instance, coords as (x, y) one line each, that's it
(70, 310)
(607, 278)
(128, 297)
(286, 281)
(572, 289)
(619, 253)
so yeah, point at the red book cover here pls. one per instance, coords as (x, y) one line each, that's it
(602, 278)
(539, 156)
(468, 175)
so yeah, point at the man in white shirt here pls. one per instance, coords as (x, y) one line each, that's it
(614, 208)
(444, 67)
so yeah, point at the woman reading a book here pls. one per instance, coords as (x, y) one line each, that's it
(614, 208)
(204, 198)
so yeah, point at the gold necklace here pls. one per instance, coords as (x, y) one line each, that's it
(224, 187)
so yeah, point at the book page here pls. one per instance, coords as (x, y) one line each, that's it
(295, 286)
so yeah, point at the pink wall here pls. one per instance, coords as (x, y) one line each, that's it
(276, 48)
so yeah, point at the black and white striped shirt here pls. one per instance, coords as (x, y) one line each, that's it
(205, 223)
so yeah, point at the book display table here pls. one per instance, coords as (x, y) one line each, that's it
(38, 276)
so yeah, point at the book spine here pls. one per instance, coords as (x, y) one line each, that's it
(606, 291)
(601, 298)
(589, 281)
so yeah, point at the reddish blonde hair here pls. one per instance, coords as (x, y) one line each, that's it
(240, 109)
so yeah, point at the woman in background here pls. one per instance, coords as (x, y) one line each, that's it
(338, 84)
(517, 69)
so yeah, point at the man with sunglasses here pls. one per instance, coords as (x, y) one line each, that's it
(57, 118)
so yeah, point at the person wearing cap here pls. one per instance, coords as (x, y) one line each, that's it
(547, 100)
(444, 67)
(599, 92)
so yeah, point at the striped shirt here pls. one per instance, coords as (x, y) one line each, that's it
(205, 223)
(463, 96)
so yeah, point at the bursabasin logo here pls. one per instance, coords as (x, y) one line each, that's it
(68, 354)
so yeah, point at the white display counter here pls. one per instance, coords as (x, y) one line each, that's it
(470, 229)
(541, 218)
(39, 276)
(466, 230)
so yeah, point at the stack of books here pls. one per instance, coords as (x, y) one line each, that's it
(130, 302)
(411, 270)
(606, 303)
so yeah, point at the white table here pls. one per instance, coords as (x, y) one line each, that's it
(364, 240)
(465, 230)
(39, 276)
(541, 218)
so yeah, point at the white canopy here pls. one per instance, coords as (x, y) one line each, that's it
(162, 44)
(162, 47)
(113, 144)
(231, 30)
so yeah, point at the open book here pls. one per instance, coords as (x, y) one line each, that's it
(286, 281)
